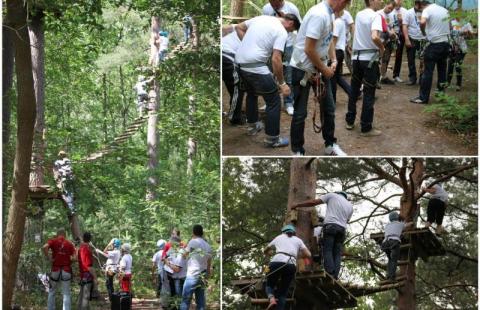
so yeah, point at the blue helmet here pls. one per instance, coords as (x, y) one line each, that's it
(343, 194)
(393, 216)
(161, 244)
(288, 228)
(117, 243)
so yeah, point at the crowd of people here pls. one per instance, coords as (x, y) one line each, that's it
(182, 270)
(280, 54)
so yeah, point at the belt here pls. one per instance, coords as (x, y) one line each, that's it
(367, 51)
(232, 55)
(252, 65)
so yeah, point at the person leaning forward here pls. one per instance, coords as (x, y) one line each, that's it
(88, 277)
(339, 212)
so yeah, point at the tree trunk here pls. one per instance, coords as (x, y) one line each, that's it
(152, 134)
(236, 8)
(191, 144)
(124, 99)
(154, 45)
(195, 33)
(7, 75)
(408, 208)
(37, 38)
(303, 180)
(13, 236)
(105, 107)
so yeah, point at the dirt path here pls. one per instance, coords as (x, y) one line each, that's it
(407, 130)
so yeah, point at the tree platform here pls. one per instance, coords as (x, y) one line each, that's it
(43, 192)
(317, 289)
(422, 242)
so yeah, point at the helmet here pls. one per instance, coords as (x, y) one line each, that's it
(116, 243)
(126, 247)
(288, 228)
(62, 153)
(161, 244)
(343, 194)
(393, 216)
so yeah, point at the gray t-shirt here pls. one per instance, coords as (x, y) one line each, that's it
(200, 251)
(339, 209)
(440, 193)
(393, 230)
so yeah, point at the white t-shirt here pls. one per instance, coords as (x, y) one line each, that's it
(230, 44)
(157, 259)
(458, 34)
(181, 262)
(366, 21)
(164, 43)
(393, 230)
(126, 263)
(264, 34)
(290, 245)
(412, 20)
(317, 231)
(388, 18)
(437, 28)
(394, 16)
(140, 88)
(339, 209)
(339, 32)
(348, 19)
(199, 253)
(287, 8)
(440, 193)
(113, 257)
(317, 24)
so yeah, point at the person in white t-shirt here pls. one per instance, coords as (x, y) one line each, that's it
(350, 28)
(282, 267)
(339, 40)
(338, 214)
(398, 14)
(312, 54)
(126, 269)
(459, 32)
(157, 265)
(368, 49)
(280, 8)
(389, 40)
(263, 38)
(112, 253)
(436, 207)
(414, 39)
(435, 25)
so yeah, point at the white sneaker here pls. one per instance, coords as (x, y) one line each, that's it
(290, 111)
(398, 79)
(334, 150)
(255, 128)
(298, 154)
(263, 107)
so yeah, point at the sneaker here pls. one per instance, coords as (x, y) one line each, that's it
(255, 128)
(350, 126)
(398, 79)
(387, 81)
(277, 142)
(289, 110)
(334, 150)
(417, 100)
(371, 133)
(298, 154)
(411, 83)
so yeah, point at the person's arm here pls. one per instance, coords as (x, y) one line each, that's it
(352, 29)
(305, 253)
(430, 190)
(307, 203)
(103, 253)
(227, 29)
(408, 225)
(423, 24)
(317, 62)
(332, 56)
(405, 35)
(377, 41)
(45, 248)
(268, 250)
(241, 29)
(277, 67)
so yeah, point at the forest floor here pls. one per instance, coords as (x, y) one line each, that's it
(407, 129)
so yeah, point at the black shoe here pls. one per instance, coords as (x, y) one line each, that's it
(387, 81)
(411, 83)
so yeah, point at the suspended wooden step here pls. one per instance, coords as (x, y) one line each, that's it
(361, 290)
(423, 242)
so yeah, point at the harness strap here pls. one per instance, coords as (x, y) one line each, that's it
(252, 65)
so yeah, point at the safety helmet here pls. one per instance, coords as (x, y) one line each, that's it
(161, 244)
(116, 243)
(343, 194)
(62, 153)
(393, 216)
(126, 247)
(288, 228)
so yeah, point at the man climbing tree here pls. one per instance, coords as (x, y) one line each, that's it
(436, 207)
(63, 173)
(142, 94)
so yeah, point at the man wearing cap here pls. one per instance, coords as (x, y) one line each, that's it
(311, 54)
(264, 37)
(436, 207)
(434, 24)
(413, 39)
(157, 264)
(391, 243)
(63, 174)
(339, 212)
(282, 267)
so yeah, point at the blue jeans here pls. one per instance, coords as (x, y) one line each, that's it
(435, 54)
(332, 245)
(337, 77)
(297, 128)
(187, 30)
(193, 284)
(287, 71)
(64, 279)
(236, 94)
(162, 54)
(283, 277)
(392, 249)
(262, 85)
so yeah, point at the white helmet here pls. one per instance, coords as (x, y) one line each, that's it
(126, 247)
(161, 244)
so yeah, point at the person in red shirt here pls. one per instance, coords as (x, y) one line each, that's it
(88, 277)
(63, 251)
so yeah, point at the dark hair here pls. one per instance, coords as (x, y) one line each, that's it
(198, 230)
(294, 18)
(367, 3)
(390, 2)
(87, 237)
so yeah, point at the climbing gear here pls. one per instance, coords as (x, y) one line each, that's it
(375, 58)
(116, 243)
(286, 229)
(161, 244)
(319, 91)
(126, 247)
(393, 216)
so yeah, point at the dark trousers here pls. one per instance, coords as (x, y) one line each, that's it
(300, 112)
(109, 285)
(332, 244)
(369, 77)
(435, 54)
(159, 284)
(262, 85)
(398, 55)
(280, 277)
(435, 211)
(337, 77)
(392, 249)
(236, 95)
(411, 55)
(455, 61)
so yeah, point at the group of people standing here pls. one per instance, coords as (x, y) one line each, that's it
(302, 53)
